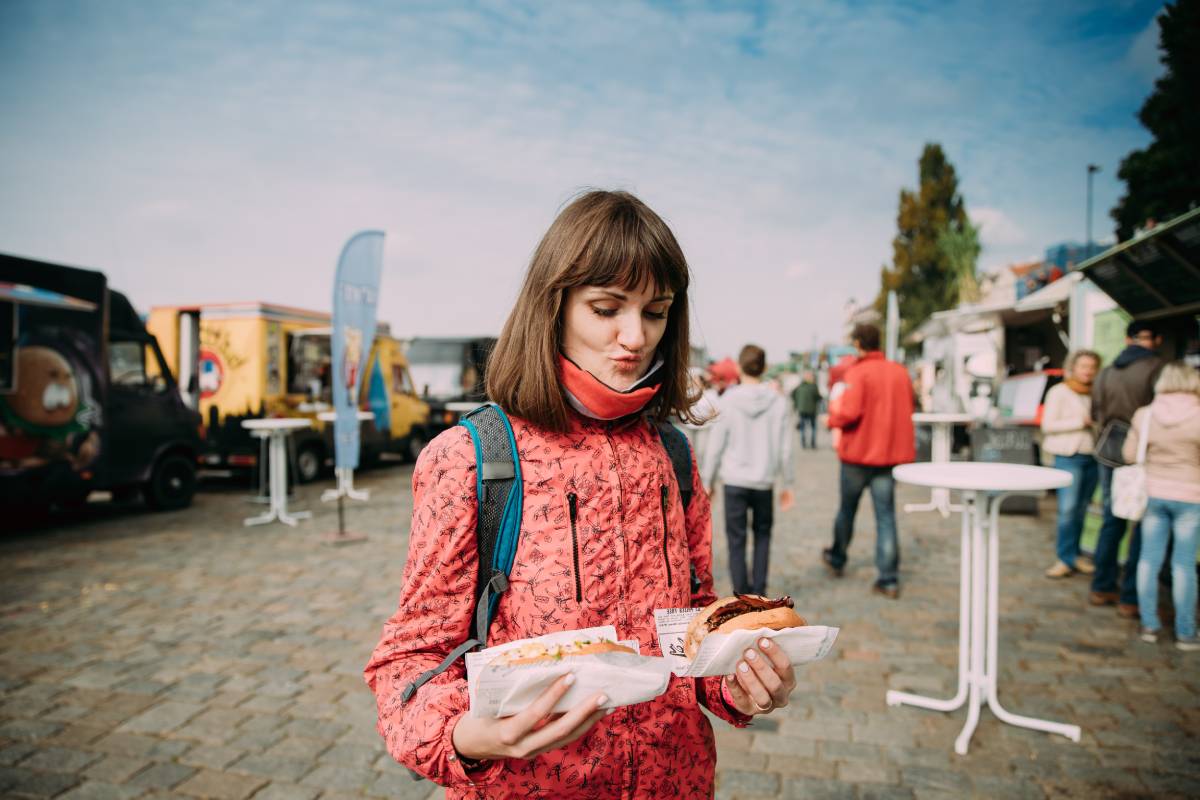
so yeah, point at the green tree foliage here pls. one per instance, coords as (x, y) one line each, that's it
(922, 273)
(1163, 180)
(961, 249)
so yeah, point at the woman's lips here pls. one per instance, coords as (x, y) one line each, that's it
(626, 364)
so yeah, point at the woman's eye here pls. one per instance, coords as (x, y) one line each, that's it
(655, 314)
(604, 312)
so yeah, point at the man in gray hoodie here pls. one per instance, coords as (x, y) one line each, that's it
(751, 448)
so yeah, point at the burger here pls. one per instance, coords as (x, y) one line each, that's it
(541, 652)
(740, 612)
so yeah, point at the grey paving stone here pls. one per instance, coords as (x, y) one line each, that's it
(210, 756)
(162, 718)
(341, 778)
(940, 780)
(278, 790)
(162, 776)
(221, 785)
(31, 730)
(96, 790)
(21, 782)
(60, 759)
(272, 767)
(13, 754)
(116, 769)
(739, 783)
(813, 789)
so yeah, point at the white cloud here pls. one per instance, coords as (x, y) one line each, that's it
(997, 229)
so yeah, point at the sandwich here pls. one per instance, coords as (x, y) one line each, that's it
(541, 652)
(740, 612)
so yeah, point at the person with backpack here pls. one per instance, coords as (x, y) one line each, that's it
(592, 360)
(1122, 388)
(1170, 454)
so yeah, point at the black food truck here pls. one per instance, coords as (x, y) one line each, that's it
(86, 400)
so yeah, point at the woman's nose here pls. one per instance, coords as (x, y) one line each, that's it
(631, 335)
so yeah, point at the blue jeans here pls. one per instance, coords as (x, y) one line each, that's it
(1073, 503)
(808, 421)
(1112, 530)
(854, 479)
(1166, 520)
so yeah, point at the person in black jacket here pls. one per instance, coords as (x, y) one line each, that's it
(1121, 389)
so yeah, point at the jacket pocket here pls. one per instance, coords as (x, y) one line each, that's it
(666, 555)
(573, 511)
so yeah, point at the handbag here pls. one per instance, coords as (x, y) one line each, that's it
(1129, 496)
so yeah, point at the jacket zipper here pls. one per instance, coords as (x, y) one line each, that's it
(666, 558)
(572, 505)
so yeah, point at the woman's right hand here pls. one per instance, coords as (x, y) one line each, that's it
(531, 732)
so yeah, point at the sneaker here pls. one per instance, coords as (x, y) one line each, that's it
(1060, 570)
(1103, 598)
(1127, 610)
(1148, 636)
(1085, 566)
(889, 590)
(1188, 644)
(827, 557)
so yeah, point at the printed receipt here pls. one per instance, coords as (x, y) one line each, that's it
(720, 652)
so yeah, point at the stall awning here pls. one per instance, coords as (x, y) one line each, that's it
(1051, 294)
(1155, 275)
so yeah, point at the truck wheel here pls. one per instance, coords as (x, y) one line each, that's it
(172, 483)
(415, 444)
(310, 460)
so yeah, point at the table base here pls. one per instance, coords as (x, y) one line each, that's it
(939, 450)
(978, 640)
(278, 487)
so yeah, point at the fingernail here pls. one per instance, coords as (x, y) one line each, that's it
(751, 655)
(601, 700)
(570, 679)
(743, 666)
(733, 677)
(609, 713)
(764, 643)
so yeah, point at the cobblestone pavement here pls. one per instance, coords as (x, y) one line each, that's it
(155, 655)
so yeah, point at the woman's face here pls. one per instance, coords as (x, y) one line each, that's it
(613, 332)
(1084, 370)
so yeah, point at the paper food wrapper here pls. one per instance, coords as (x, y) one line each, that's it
(720, 652)
(497, 691)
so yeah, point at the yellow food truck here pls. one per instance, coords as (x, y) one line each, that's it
(239, 361)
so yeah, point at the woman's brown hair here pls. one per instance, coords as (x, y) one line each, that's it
(600, 239)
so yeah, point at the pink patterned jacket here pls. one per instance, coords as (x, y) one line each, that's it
(604, 541)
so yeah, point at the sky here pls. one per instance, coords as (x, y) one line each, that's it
(225, 151)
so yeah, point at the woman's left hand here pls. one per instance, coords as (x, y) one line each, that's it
(763, 680)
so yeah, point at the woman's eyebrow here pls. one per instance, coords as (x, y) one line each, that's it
(618, 296)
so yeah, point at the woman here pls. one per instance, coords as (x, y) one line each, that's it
(1173, 510)
(1067, 434)
(596, 344)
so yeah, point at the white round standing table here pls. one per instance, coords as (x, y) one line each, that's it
(939, 452)
(277, 429)
(983, 487)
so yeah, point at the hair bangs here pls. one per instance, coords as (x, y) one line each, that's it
(622, 250)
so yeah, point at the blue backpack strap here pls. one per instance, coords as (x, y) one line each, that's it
(499, 497)
(679, 450)
(499, 494)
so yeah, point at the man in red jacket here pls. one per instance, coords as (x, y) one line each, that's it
(874, 415)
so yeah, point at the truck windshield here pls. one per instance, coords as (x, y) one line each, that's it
(433, 351)
(310, 366)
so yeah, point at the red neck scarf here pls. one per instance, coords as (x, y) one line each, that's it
(593, 398)
(1078, 387)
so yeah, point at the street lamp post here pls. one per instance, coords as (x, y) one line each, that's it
(1091, 170)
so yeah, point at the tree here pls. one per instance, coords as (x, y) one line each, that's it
(961, 249)
(1163, 180)
(923, 274)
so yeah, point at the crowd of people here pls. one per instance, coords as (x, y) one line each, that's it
(1139, 410)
